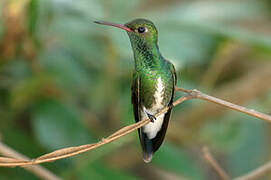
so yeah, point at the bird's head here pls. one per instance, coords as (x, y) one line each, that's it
(140, 31)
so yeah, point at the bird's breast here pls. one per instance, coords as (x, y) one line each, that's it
(158, 104)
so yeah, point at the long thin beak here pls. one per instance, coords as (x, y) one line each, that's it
(121, 26)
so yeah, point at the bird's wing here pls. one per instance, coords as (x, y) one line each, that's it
(157, 141)
(136, 102)
(173, 72)
(135, 96)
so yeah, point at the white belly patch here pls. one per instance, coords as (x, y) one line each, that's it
(152, 128)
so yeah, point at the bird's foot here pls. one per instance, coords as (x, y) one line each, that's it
(170, 106)
(151, 117)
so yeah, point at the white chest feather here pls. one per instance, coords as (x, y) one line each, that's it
(153, 128)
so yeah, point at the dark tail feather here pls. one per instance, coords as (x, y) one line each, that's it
(147, 157)
(150, 146)
(147, 147)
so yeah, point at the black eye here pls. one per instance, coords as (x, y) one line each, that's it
(141, 29)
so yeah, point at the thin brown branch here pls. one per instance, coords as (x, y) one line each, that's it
(72, 151)
(199, 95)
(213, 163)
(257, 173)
(187, 123)
(253, 175)
(36, 170)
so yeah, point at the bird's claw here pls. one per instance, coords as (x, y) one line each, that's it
(151, 117)
(170, 106)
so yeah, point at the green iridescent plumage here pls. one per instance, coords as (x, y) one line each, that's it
(153, 85)
(149, 63)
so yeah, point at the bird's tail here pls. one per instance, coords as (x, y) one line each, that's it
(147, 148)
(147, 157)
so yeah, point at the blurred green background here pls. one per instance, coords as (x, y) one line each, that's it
(65, 81)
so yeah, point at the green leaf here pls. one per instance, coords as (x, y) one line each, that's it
(33, 15)
(214, 18)
(252, 149)
(187, 47)
(28, 91)
(98, 170)
(177, 160)
(67, 72)
(83, 8)
(223, 135)
(56, 125)
(16, 70)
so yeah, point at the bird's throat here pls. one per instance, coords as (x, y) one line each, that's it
(146, 55)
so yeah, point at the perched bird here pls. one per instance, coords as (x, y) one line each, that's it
(153, 85)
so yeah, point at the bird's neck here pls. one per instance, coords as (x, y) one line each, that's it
(147, 56)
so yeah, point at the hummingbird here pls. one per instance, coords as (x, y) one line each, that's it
(153, 85)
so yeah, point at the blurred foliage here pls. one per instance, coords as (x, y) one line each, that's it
(64, 81)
